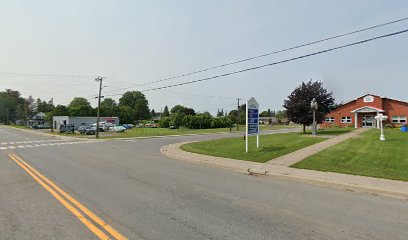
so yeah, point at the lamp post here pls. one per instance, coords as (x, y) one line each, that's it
(314, 107)
(381, 118)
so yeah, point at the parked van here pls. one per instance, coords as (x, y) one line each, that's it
(103, 126)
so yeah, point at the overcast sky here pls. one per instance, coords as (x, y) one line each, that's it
(143, 41)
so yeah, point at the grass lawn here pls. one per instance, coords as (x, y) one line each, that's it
(264, 127)
(271, 146)
(332, 131)
(367, 156)
(146, 132)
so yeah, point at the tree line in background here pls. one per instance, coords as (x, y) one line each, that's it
(181, 116)
(14, 108)
(133, 106)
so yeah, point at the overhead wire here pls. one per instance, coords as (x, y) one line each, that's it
(43, 75)
(264, 55)
(274, 63)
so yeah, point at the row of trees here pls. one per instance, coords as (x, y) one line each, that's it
(12, 106)
(133, 105)
(183, 116)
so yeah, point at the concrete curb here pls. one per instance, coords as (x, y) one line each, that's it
(392, 188)
(224, 163)
(355, 187)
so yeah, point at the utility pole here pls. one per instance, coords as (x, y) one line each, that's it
(237, 114)
(98, 79)
(7, 116)
(52, 117)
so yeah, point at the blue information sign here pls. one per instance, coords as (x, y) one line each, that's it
(253, 121)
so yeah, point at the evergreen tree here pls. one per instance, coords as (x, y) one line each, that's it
(166, 112)
(152, 113)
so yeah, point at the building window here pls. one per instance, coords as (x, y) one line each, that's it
(399, 119)
(369, 98)
(329, 119)
(345, 119)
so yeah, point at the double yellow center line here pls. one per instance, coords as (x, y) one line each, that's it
(87, 217)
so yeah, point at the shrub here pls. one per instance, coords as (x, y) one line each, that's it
(164, 122)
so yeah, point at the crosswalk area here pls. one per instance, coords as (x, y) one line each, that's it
(38, 143)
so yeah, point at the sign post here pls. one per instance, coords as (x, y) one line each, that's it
(252, 121)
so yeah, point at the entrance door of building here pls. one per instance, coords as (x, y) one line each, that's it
(368, 121)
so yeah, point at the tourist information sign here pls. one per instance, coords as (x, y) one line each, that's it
(252, 121)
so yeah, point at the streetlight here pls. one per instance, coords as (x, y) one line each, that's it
(314, 106)
(381, 118)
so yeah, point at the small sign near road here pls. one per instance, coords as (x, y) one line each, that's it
(252, 121)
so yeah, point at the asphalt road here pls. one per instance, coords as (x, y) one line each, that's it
(142, 194)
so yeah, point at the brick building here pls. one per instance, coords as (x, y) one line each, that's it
(361, 112)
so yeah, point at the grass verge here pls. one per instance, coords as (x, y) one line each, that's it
(366, 156)
(148, 132)
(271, 146)
(332, 131)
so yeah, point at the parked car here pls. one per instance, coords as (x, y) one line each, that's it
(82, 129)
(151, 125)
(140, 125)
(87, 130)
(68, 128)
(118, 128)
(128, 126)
(45, 126)
(173, 127)
(103, 126)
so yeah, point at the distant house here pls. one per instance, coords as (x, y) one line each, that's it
(38, 119)
(267, 120)
(58, 121)
(360, 112)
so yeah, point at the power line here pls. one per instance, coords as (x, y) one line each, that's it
(264, 55)
(200, 95)
(43, 75)
(45, 84)
(275, 63)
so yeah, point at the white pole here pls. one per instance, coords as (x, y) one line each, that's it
(246, 142)
(382, 138)
(257, 141)
(257, 134)
(246, 128)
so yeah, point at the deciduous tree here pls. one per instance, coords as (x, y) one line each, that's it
(138, 103)
(298, 103)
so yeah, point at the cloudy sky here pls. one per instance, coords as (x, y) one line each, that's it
(55, 49)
